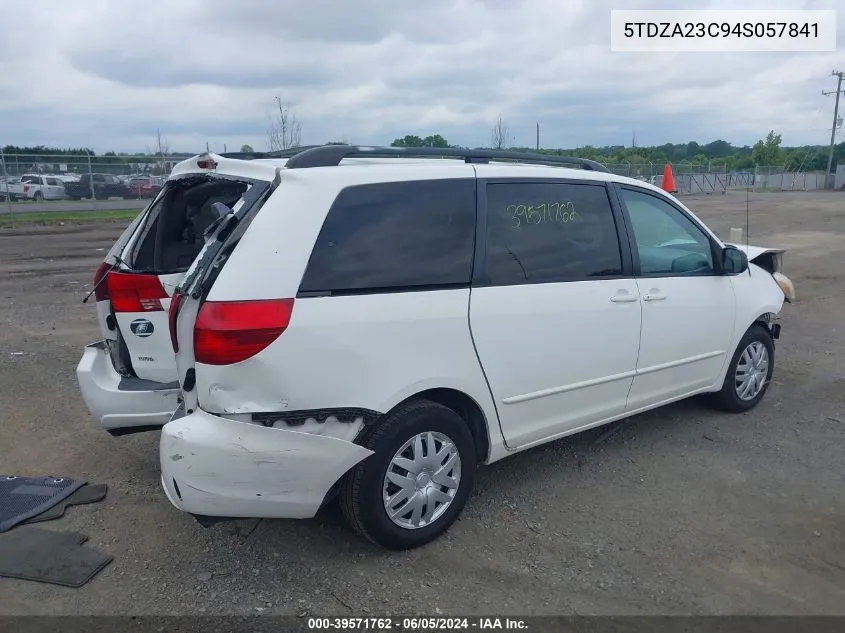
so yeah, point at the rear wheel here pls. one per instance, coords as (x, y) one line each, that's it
(749, 372)
(418, 479)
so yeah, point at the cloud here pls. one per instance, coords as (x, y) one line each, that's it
(373, 70)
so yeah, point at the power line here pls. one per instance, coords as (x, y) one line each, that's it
(839, 74)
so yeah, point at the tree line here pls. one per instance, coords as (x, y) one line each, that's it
(287, 132)
(766, 152)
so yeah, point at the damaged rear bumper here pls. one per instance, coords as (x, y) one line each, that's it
(117, 402)
(217, 467)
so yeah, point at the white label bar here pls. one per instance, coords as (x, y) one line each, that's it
(720, 31)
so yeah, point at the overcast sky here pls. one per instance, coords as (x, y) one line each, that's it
(106, 73)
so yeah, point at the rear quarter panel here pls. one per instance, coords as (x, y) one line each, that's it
(366, 351)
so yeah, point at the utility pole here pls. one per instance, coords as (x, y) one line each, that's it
(538, 136)
(839, 74)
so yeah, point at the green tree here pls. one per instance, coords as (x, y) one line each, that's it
(247, 149)
(412, 140)
(435, 140)
(409, 140)
(768, 151)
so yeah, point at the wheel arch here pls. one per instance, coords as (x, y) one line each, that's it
(763, 319)
(466, 407)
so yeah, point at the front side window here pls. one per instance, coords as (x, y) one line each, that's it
(666, 240)
(395, 236)
(546, 232)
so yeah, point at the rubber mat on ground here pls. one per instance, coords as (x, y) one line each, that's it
(58, 558)
(22, 498)
(89, 493)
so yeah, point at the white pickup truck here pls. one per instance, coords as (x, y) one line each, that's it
(36, 187)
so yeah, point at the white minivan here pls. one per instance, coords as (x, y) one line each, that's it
(370, 324)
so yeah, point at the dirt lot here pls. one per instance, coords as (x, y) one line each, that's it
(682, 511)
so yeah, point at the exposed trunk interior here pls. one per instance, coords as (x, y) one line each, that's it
(172, 235)
(168, 240)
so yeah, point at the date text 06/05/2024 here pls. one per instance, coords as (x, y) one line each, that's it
(417, 624)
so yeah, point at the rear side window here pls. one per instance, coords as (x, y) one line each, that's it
(545, 232)
(395, 236)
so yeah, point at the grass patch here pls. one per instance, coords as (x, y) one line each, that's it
(75, 217)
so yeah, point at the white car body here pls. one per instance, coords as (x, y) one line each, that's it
(271, 435)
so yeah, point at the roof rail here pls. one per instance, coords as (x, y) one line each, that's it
(284, 153)
(331, 155)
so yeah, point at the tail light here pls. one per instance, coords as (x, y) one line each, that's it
(101, 288)
(131, 292)
(228, 332)
(175, 302)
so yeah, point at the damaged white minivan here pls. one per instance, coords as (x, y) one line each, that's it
(371, 324)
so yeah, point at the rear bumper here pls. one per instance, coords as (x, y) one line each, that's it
(217, 467)
(118, 402)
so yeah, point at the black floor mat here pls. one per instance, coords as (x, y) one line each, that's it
(58, 558)
(22, 498)
(89, 493)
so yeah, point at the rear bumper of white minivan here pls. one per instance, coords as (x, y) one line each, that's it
(121, 404)
(217, 467)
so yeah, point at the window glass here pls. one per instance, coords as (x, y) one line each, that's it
(548, 232)
(396, 235)
(667, 241)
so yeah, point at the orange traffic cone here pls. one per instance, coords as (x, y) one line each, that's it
(668, 183)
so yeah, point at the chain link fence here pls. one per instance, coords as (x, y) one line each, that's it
(779, 178)
(706, 178)
(711, 177)
(71, 165)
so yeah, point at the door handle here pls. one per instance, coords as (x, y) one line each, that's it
(654, 296)
(624, 298)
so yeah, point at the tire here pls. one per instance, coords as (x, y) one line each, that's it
(362, 490)
(727, 399)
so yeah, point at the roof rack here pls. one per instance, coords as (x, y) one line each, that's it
(331, 155)
(284, 153)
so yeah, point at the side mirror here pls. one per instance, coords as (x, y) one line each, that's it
(734, 261)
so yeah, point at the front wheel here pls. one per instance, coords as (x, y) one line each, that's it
(749, 372)
(418, 479)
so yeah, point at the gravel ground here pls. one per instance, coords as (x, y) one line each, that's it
(679, 511)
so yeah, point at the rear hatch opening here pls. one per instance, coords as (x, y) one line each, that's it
(151, 264)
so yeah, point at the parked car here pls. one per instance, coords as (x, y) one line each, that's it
(7, 186)
(37, 187)
(104, 186)
(349, 324)
(144, 186)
